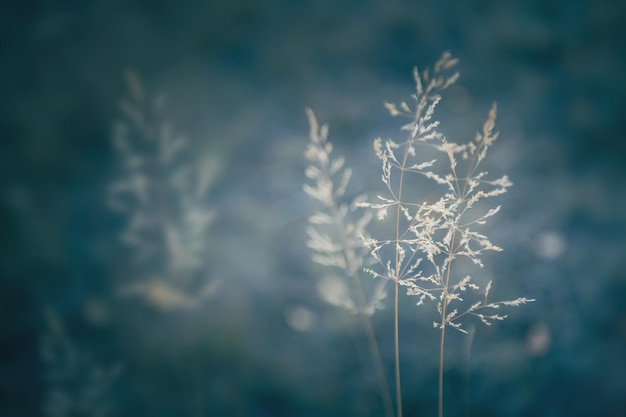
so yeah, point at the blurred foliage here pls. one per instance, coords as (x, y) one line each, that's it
(237, 77)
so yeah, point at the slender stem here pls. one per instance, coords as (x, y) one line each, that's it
(443, 316)
(397, 282)
(440, 405)
(397, 355)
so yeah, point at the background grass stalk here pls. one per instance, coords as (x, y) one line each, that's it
(366, 322)
(322, 169)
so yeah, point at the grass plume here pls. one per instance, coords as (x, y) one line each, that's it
(335, 237)
(434, 246)
(163, 192)
(76, 384)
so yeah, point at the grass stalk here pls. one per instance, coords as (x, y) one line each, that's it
(436, 229)
(322, 169)
(443, 323)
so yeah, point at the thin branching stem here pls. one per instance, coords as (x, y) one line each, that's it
(397, 285)
(443, 319)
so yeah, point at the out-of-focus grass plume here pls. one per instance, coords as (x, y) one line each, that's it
(76, 383)
(165, 194)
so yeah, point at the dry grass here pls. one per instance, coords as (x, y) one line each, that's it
(434, 246)
(163, 192)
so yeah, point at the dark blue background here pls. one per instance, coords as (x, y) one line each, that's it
(238, 76)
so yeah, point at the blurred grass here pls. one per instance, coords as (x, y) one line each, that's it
(238, 76)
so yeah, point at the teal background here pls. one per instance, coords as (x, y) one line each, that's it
(237, 76)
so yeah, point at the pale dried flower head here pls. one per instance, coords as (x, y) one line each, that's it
(435, 244)
(164, 194)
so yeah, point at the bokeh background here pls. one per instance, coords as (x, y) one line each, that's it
(80, 335)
